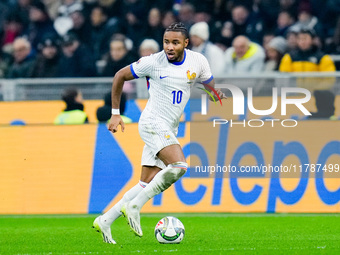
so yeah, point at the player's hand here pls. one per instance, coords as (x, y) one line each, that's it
(115, 121)
(220, 94)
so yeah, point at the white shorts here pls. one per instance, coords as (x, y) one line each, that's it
(156, 137)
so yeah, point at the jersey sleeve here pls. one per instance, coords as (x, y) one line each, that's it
(205, 75)
(142, 67)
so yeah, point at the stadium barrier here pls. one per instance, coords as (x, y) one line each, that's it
(86, 169)
(95, 88)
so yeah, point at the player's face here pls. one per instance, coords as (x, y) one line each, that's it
(174, 44)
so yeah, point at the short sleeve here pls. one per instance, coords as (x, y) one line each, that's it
(205, 75)
(142, 67)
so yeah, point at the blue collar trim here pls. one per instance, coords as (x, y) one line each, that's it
(179, 63)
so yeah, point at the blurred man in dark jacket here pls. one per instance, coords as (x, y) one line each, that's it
(102, 30)
(40, 23)
(77, 60)
(119, 56)
(47, 62)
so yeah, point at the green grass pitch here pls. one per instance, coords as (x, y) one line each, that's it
(212, 233)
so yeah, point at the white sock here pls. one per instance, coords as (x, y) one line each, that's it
(162, 180)
(114, 213)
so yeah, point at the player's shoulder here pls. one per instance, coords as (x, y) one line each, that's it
(160, 57)
(155, 58)
(195, 56)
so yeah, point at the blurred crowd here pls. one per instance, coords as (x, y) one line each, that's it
(89, 38)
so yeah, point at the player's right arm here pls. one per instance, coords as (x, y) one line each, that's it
(124, 74)
(138, 69)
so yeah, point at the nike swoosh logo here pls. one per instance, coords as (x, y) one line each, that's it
(162, 77)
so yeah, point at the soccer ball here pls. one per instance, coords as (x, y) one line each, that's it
(169, 230)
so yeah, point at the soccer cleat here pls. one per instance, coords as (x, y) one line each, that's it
(131, 214)
(104, 230)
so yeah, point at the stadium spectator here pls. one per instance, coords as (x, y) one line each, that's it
(163, 5)
(74, 112)
(199, 38)
(333, 46)
(5, 63)
(187, 14)
(114, 8)
(308, 58)
(330, 12)
(324, 101)
(275, 50)
(284, 21)
(21, 8)
(68, 7)
(154, 28)
(307, 21)
(47, 62)
(290, 6)
(81, 27)
(147, 47)
(135, 26)
(244, 57)
(269, 11)
(23, 59)
(120, 55)
(39, 25)
(103, 28)
(168, 18)
(13, 27)
(104, 112)
(267, 38)
(52, 7)
(243, 22)
(76, 59)
(292, 37)
(4, 11)
(202, 6)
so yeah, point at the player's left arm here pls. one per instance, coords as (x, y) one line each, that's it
(208, 80)
(210, 86)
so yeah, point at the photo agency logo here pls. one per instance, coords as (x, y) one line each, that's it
(239, 104)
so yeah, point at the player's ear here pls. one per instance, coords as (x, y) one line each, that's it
(186, 42)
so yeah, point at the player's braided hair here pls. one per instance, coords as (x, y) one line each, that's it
(178, 27)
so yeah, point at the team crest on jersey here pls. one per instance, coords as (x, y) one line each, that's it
(191, 77)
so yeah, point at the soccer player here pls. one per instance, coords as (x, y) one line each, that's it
(170, 75)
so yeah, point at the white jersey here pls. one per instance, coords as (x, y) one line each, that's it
(170, 84)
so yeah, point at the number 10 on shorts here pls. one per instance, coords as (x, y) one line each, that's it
(177, 96)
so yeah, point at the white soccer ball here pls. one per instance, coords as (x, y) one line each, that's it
(169, 230)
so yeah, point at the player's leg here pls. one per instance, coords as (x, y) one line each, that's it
(173, 157)
(103, 223)
(148, 173)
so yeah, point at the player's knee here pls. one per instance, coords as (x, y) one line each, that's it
(178, 169)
